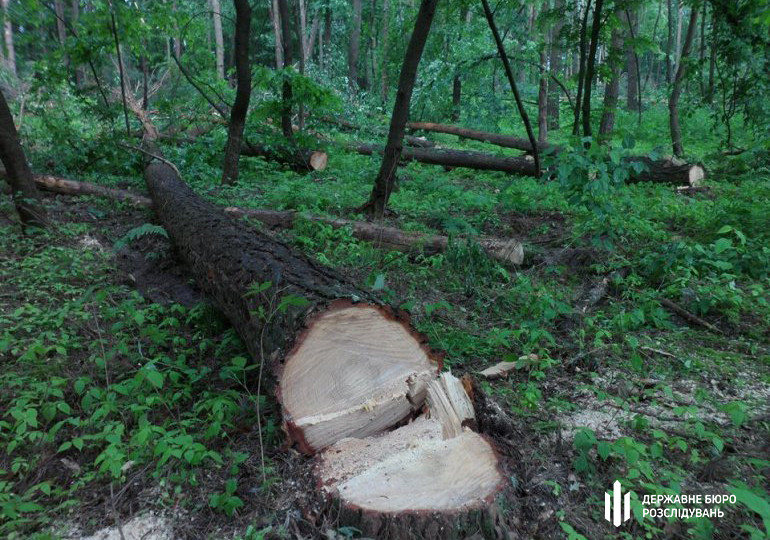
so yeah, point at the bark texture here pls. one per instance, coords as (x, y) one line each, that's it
(506, 141)
(242, 93)
(676, 91)
(219, 42)
(25, 195)
(383, 184)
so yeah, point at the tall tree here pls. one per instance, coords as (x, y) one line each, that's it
(669, 41)
(354, 45)
(61, 32)
(242, 92)
(219, 42)
(275, 18)
(10, 52)
(286, 90)
(632, 66)
(25, 194)
(590, 67)
(384, 54)
(554, 66)
(612, 88)
(676, 90)
(512, 81)
(581, 67)
(383, 184)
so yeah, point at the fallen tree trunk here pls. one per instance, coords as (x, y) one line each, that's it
(667, 171)
(507, 251)
(457, 158)
(71, 187)
(349, 370)
(506, 141)
(664, 171)
(297, 159)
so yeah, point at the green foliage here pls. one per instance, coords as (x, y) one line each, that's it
(142, 231)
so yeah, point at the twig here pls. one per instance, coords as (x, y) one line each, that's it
(679, 310)
(147, 153)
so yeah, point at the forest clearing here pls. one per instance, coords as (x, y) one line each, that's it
(399, 269)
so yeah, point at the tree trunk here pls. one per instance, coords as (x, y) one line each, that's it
(676, 91)
(712, 56)
(79, 74)
(242, 92)
(581, 68)
(10, 53)
(555, 69)
(667, 171)
(542, 98)
(327, 40)
(611, 90)
(383, 184)
(25, 195)
(384, 55)
(589, 75)
(297, 159)
(506, 141)
(275, 17)
(61, 30)
(457, 158)
(512, 82)
(219, 42)
(349, 371)
(632, 69)
(669, 41)
(286, 91)
(506, 251)
(354, 45)
(457, 92)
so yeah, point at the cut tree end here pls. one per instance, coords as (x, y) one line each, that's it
(318, 161)
(696, 175)
(356, 371)
(413, 469)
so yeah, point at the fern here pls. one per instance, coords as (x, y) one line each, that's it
(145, 229)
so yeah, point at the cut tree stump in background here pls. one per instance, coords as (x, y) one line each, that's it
(350, 371)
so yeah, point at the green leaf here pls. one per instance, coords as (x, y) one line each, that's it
(155, 378)
(755, 503)
(722, 244)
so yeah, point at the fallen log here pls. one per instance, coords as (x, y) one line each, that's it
(457, 158)
(506, 141)
(663, 171)
(297, 159)
(349, 370)
(666, 171)
(507, 251)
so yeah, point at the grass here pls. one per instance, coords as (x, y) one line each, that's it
(114, 404)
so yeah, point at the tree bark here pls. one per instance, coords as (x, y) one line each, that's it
(506, 141)
(354, 45)
(275, 18)
(61, 31)
(589, 75)
(512, 82)
(286, 91)
(349, 371)
(79, 73)
(506, 251)
(10, 52)
(555, 69)
(297, 159)
(384, 56)
(219, 42)
(383, 184)
(26, 197)
(632, 89)
(611, 90)
(542, 98)
(457, 158)
(669, 41)
(676, 91)
(581, 68)
(242, 92)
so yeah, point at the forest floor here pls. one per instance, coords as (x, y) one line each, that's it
(129, 403)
